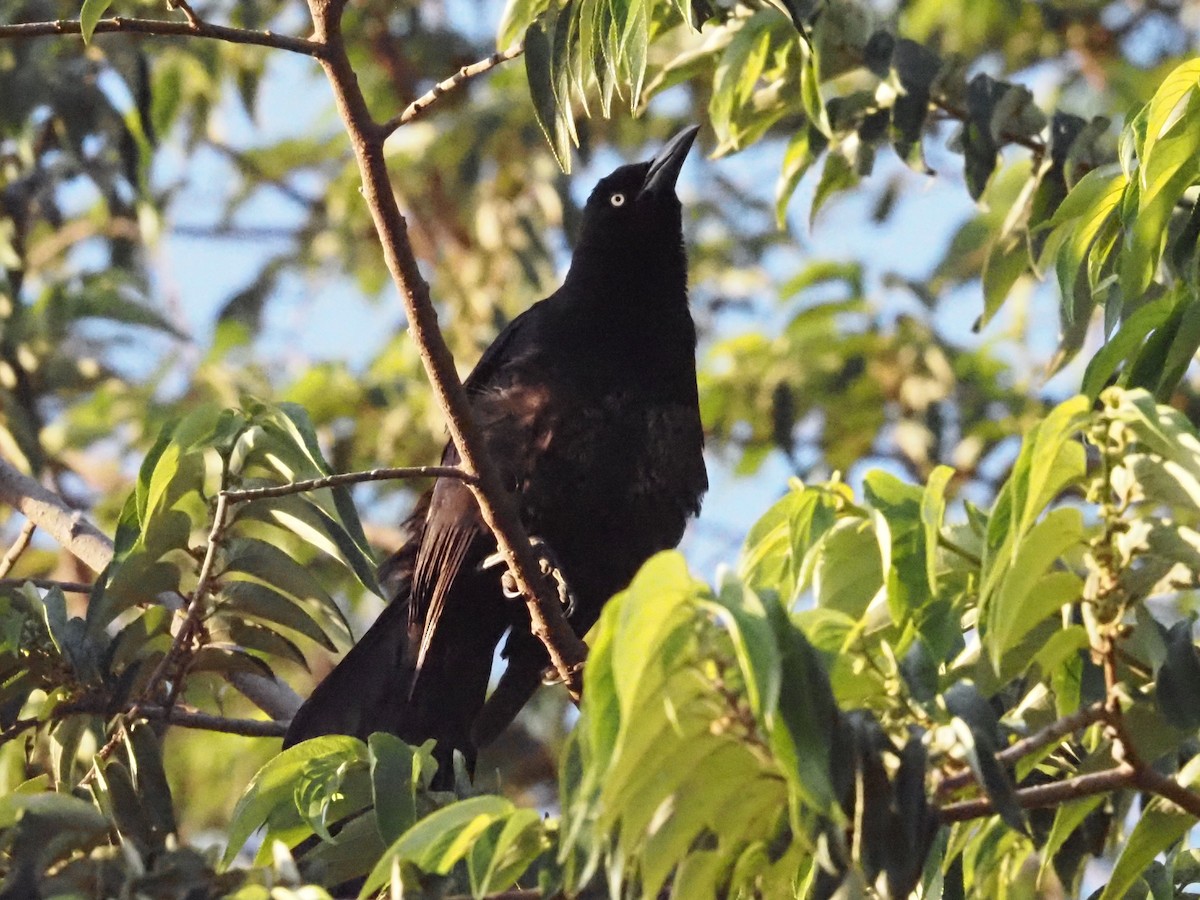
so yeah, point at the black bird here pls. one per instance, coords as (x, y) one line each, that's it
(588, 404)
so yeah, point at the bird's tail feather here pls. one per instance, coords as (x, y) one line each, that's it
(368, 690)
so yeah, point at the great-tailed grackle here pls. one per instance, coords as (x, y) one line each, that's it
(588, 403)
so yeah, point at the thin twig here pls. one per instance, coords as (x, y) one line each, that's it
(1120, 776)
(193, 718)
(960, 551)
(463, 75)
(497, 508)
(1053, 732)
(183, 637)
(45, 584)
(185, 718)
(18, 547)
(1037, 145)
(188, 12)
(166, 28)
(314, 484)
(193, 613)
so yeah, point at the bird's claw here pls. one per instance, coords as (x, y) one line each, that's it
(550, 675)
(548, 563)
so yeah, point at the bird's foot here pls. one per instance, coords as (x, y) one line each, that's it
(551, 675)
(550, 568)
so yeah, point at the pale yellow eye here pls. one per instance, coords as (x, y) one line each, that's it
(617, 199)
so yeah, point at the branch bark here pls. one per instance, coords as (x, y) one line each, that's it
(184, 718)
(567, 652)
(463, 75)
(1053, 732)
(49, 512)
(167, 28)
(24, 536)
(1113, 779)
(315, 484)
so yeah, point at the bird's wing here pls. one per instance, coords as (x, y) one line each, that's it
(510, 404)
(501, 351)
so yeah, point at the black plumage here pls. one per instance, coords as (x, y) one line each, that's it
(589, 407)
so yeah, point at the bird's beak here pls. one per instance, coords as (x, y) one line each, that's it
(664, 168)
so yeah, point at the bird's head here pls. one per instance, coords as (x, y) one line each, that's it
(635, 208)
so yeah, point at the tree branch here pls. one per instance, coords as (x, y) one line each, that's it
(1130, 771)
(85, 541)
(1113, 779)
(68, 587)
(18, 547)
(50, 513)
(385, 474)
(191, 617)
(168, 28)
(1055, 731)
(463, 75)
(185, 718)
(567, 652)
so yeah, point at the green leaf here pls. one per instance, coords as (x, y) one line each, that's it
(837, 175)
(901, 534)
(89, 14)
(777, 544)
(497, 864)
(916, 68)
(274, 785)
(1120, 346)
(440, 840)
(263, 564)
(1170, 101)
(1167, 170)
(1026, 595)
(1007, 260)
(1159, 826)
(802, 151)
(933, 511)
(1185, 339)
(737, 74)
(539, 72)
(518, 15)
(313, 524)
(802, 738)
(249, 636)
(1067, 818)
(398, 771)
(847, 570)
(147, 768)
(259, 602)
(744, 616)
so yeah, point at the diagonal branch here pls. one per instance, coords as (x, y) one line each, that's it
(49, 512)
(497, 507)
(18, 547)
(463, 75)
